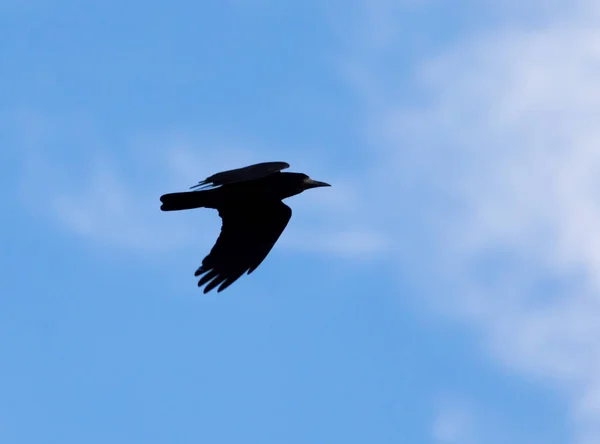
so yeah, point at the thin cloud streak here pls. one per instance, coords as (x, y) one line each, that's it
(113, 204)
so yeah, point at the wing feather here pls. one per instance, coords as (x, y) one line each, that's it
(247, 236)
(251, 172)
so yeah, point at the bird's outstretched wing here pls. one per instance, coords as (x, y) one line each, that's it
(247, 236)
(252, 172)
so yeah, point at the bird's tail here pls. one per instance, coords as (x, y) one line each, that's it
(187, 200)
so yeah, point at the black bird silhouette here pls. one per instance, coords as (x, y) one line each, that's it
(249, 201)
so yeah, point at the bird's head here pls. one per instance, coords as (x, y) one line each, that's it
(296, 183)
(308, 183)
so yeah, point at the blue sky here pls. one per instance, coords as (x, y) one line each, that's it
(443, 291)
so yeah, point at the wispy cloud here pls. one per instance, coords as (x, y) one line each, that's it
(454, 423)
(505, 154)
(113, 201)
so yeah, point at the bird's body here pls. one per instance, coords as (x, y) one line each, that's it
(249, 201)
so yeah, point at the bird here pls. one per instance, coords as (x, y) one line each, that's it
(249, 201)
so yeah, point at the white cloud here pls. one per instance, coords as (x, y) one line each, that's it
(359, 244)
(505, 157)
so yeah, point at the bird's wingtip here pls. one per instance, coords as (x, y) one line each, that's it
(199, 184)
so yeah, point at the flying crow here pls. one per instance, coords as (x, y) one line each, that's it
(249, 202)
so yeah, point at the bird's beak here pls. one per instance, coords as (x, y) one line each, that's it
(310, 183)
